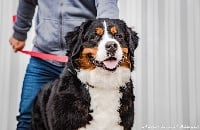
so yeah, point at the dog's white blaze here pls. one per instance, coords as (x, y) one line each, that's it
(105, 96)
(102, 54)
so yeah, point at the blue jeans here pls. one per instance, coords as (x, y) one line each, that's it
(38, 73)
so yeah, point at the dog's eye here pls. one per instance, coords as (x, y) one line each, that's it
(119, 36)
(95, 37)
(85, 38)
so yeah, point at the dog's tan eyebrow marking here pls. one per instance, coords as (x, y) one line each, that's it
(99, 31)
(113, 30)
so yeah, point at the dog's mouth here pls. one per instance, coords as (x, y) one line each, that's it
(110, 63)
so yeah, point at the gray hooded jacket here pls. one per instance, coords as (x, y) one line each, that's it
(57, 17)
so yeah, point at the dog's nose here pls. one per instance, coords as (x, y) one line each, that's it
(111, 46)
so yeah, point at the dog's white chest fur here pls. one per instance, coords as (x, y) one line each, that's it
(105, 105)
(105, 97)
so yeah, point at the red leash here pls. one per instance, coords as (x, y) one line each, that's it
(46, 56)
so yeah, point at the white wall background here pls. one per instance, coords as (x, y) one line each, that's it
(167, 75)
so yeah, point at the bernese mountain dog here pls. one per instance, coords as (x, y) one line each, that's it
(95, 89)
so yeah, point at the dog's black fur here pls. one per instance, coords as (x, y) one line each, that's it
(64, 104)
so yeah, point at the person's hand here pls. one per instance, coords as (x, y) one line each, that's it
(16, 44)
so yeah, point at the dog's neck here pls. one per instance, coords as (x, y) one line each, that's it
(100, 78)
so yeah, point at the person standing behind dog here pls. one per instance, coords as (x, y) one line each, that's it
(54, 19)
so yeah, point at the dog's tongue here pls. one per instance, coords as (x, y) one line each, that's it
(110, 64)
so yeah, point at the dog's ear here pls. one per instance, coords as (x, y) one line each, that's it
(132, 40)
(74, 39)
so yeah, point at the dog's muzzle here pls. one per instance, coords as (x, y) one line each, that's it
(107, 64)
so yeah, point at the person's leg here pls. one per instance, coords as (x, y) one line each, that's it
(38, 73)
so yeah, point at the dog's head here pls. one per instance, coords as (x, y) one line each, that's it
(103, 43)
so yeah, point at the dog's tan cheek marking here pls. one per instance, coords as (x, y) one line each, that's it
(126, 60)
(125, 50)
(84, 60)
